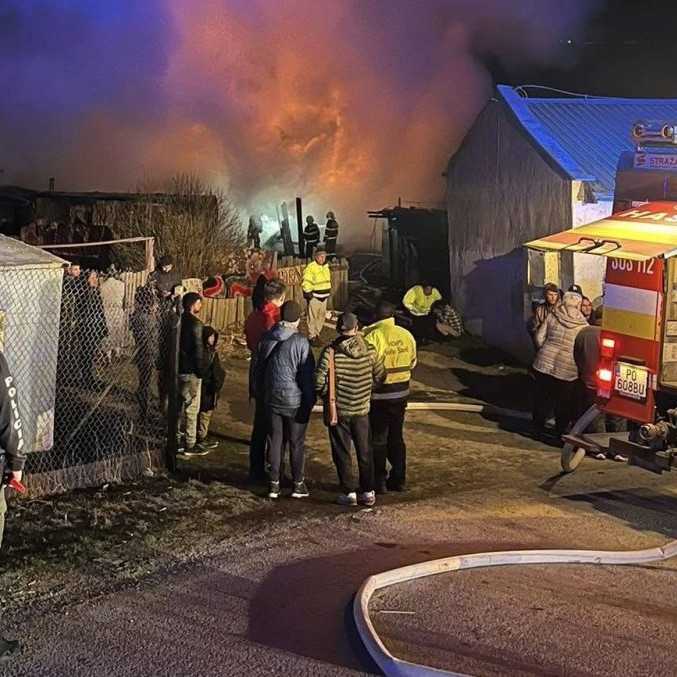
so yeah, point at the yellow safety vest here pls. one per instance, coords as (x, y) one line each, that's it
(396, 348)
(417, 303)
(317, 280)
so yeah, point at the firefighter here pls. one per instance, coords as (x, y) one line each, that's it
(316, 286)
(311, 236)
(331, 231)
(254, 232)
(396, 347)
(12, 459)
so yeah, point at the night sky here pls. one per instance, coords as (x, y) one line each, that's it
(349, 103)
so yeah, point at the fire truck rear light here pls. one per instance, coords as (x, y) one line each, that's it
(605, 375)
(608, 347)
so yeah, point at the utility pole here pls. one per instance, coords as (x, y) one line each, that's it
(299, 223)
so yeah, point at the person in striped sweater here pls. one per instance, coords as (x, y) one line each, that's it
(357, 370)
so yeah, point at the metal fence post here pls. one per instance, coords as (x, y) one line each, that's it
(173, 400)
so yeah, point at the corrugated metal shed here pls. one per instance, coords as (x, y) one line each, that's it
(16, 254)
(584, 136)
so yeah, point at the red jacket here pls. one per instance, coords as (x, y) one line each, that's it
(259, 322)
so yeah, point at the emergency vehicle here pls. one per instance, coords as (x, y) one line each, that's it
(637, 374)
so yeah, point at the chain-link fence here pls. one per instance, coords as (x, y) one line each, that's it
(91, 360)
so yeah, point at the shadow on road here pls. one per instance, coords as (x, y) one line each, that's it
(641, 508)
(306, 607)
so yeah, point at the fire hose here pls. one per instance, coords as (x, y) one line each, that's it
(391, 665)
(396, 667)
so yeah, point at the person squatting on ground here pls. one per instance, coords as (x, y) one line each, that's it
(331, 232)
(284, 383)
(555, 369)
(418, 302)
(540, 311)
(12, 460)
(316, 286)
(311, 236)
(356, 368)
(396, 348)
(213, 377)
(448, 322)
(262, 319)
(191, 370)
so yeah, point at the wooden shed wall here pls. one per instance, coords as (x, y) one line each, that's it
(501, 192)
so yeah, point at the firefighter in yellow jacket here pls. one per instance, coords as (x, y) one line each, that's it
(396, 347)
(316, 286)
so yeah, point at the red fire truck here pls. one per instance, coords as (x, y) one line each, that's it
(637, 374)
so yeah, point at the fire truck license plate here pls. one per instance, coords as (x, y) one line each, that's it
(631, 380)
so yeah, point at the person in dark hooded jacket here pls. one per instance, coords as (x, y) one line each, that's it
(144, 325)
(283, 381)
(213, 377)
(357, 369)
(555, 368)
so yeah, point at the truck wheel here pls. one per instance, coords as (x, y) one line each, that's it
(571, 455)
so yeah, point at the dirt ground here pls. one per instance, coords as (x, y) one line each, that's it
(282, 575)
(120, 533)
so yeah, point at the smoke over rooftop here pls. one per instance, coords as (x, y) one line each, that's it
(348, 103)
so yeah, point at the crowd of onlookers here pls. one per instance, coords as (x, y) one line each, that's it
(566, 333)
(362, 379)
(362, 376)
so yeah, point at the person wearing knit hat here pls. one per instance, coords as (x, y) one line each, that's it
(356, 368)
(283, 381)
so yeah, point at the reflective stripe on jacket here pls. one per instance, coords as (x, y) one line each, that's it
(396, 348)
(311, 233)
(417, 303)
(317, 280)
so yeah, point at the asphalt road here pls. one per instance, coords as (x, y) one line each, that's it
(279, 601)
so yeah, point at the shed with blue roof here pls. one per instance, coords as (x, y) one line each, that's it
(532, 165)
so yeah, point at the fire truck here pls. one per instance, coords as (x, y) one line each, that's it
(637, 374)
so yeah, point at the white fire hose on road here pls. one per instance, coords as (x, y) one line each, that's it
(462, 407)
(396, 667)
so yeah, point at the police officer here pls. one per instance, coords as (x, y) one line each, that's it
(12, 459)
(311, 236)
(396, 347)
(331, 231)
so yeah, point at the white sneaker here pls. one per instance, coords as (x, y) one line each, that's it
(274, 491)
(367, 498)
(347, 499)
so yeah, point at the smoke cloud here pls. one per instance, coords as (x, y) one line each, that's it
(348, 103)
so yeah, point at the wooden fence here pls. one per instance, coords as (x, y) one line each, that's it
(230, 314)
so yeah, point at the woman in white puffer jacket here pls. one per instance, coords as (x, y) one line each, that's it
(555, 368)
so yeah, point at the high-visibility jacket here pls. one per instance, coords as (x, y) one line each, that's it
(396, 347)
(417, 303)
(317, 280)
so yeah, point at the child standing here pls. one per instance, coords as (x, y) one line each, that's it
(212, 382)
